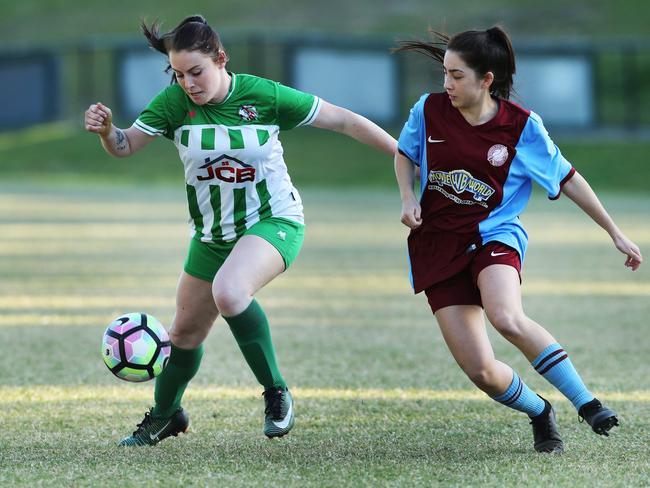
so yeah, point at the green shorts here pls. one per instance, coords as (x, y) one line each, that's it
(205, 258)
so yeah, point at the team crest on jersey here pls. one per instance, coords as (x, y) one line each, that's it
(497, 155)
(228, 169)
(248, 113)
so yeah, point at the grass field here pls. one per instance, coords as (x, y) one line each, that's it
(379, 400)
(65, 153)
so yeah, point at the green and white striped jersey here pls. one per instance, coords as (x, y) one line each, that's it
(235, 174)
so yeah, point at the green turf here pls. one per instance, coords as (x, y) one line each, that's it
(379, 400)
(65, 153)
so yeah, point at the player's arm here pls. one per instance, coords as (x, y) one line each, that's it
(405, 178)
(115, 141)
(339, 119)
(578, 190)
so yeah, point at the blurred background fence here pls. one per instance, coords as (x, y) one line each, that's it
(575, 85)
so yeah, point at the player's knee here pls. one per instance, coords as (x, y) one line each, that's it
(482, 376)
(191, 325)
(186, 337)
(229, 298)
(510, 325)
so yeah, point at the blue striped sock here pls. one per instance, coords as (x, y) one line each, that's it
(519, 397)
(553, 363)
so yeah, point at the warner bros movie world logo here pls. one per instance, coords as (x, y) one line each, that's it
(228, 169)
(460, 180)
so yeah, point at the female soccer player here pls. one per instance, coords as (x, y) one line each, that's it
(477, 155)
(246, 217)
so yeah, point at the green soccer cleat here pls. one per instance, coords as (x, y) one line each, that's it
(152, 429)
(278, 419)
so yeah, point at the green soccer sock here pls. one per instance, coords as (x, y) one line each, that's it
(251, 331)
(170, 385)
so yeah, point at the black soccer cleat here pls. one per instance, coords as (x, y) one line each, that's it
(152, 429)
(278, 412)
(601, 419)
(547, 438)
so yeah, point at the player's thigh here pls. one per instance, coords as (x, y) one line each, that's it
(253, 263)
(195, 307)
(464, 331)
(500, 288)
(265, 250)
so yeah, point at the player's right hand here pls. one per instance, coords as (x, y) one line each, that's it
(411, 214)
(99, 119)
(630, 249)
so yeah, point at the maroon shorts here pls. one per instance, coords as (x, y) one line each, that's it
(461, 289)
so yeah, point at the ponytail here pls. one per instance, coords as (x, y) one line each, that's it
(156, 42)
(502, 84)
(434, 49)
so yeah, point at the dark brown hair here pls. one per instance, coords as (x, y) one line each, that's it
(192, 34)
(483, 51)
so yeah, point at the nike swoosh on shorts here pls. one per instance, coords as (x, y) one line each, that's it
(495, 254)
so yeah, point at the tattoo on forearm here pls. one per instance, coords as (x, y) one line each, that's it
(120, 140)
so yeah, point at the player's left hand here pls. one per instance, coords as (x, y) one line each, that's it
(631, 250)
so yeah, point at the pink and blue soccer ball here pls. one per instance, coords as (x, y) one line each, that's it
(136, 347)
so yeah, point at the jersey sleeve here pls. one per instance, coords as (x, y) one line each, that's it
(295, 108)
(412, 136)
(157, 119)
(542, 160)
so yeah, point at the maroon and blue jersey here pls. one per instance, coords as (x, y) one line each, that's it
(475, 181)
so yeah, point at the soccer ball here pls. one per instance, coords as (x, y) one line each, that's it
(136, 347)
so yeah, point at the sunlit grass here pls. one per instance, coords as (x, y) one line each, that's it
(380, 402)
(142, 393)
